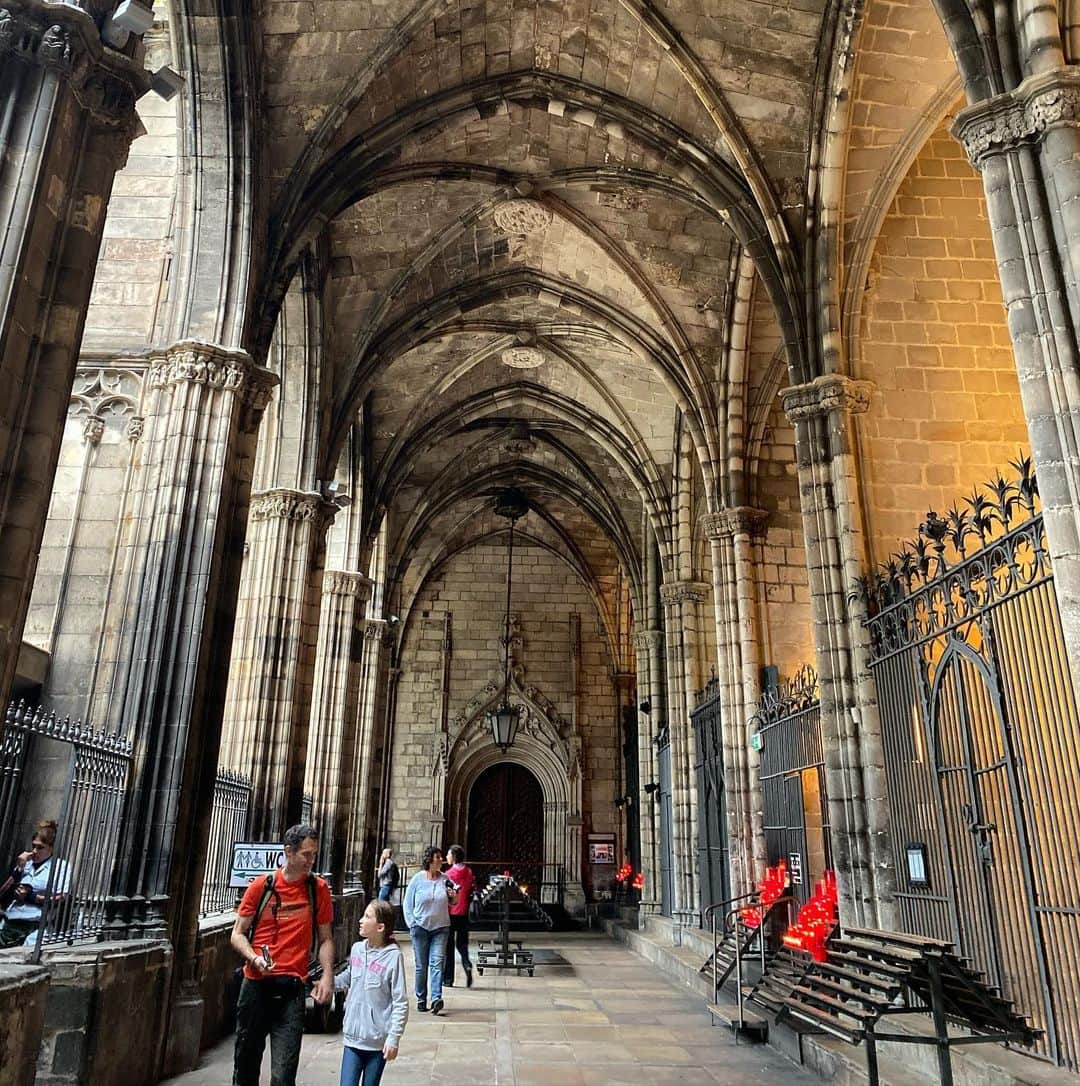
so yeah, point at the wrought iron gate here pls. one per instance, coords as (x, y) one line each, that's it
(787, 729)
(712, 812)
(667, 874)
(982, 749)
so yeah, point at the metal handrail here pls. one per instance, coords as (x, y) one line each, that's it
(710, 910)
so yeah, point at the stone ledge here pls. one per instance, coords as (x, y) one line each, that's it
(23, 991)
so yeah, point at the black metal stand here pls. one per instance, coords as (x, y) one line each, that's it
(503, 952)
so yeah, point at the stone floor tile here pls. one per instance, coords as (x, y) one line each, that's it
(617, 1024)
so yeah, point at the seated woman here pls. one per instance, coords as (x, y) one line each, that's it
(30, 875)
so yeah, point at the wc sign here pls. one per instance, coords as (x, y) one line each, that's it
(252, 859)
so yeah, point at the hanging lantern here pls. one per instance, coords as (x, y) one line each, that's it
(504, 726)
(512, 505)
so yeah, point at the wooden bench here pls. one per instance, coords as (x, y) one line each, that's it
(869, 974)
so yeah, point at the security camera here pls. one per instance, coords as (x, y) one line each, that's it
(166, 83)
(393, 620)
(645, 707)
(651, 787)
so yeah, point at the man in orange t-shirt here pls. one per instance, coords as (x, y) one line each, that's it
(272, 995)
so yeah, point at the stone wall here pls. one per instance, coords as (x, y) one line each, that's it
(547, 597)
(131, 282)
(946, 411)
(106, 1014)
(23, 993)
(787, 639)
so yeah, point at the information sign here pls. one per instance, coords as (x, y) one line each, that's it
(250, 859)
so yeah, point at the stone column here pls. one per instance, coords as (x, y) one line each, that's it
(682, 606)
(67, 119)
(335, 703)
(648, 645)
(374, 695)
(269, 695)
(1027, 145)
(822, 413)
(732, 534)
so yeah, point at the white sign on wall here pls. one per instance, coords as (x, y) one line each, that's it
(250, 859)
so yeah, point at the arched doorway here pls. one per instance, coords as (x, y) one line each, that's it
(506, 823)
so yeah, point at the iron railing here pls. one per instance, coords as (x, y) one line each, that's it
(84, 855)
(230, 812)
(787, 727)
(981, 740)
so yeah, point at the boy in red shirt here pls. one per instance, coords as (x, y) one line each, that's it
(460, 874)
(272, 995)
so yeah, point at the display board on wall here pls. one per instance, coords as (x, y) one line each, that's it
(601, 848)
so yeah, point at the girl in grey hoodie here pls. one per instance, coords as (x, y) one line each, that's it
(377, 1006)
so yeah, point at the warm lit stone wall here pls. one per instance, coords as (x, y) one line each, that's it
(546, 597)
(132, 280)
(946, 411)
(787, 639)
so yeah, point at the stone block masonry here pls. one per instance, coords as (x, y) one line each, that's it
(106, 1014)
(23, 992)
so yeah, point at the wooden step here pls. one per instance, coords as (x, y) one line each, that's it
(824, 1021)
(861, 1014)
(753, 1025)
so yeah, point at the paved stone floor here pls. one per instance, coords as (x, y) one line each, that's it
(606, 1018)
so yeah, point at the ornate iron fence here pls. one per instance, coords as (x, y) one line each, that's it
(229, 817)
(81, 875)
(787, 733)
(982, 748)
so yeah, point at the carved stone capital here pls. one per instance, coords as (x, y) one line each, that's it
(93, 430)
(65, 39)
(644, 640)
(219, 368)
(1022, 116)
(685, 591)
(297, 505)
(825, 394)
(339, 582)
(135, 427)
(738, 520)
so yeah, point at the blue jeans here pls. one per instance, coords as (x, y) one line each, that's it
(429, 950)
(384, 893)
(361, 1065)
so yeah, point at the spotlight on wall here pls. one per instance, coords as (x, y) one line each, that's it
(393, 620)
(624, 801)
(645, 707)
(129, 18)
(166, 83)
(651, 788)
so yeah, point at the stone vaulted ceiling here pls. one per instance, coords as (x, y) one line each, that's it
(530, 218)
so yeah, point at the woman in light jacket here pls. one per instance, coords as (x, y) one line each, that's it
(427, 912)
(377, 1006)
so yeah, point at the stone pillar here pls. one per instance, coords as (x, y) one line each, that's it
(269, 696)
(191, 480)
(335, 703)
(1026, 143)
(67, 119)
(733, 534)
(836, 555)
(648, 646)
(374, 695)
(682, 614)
